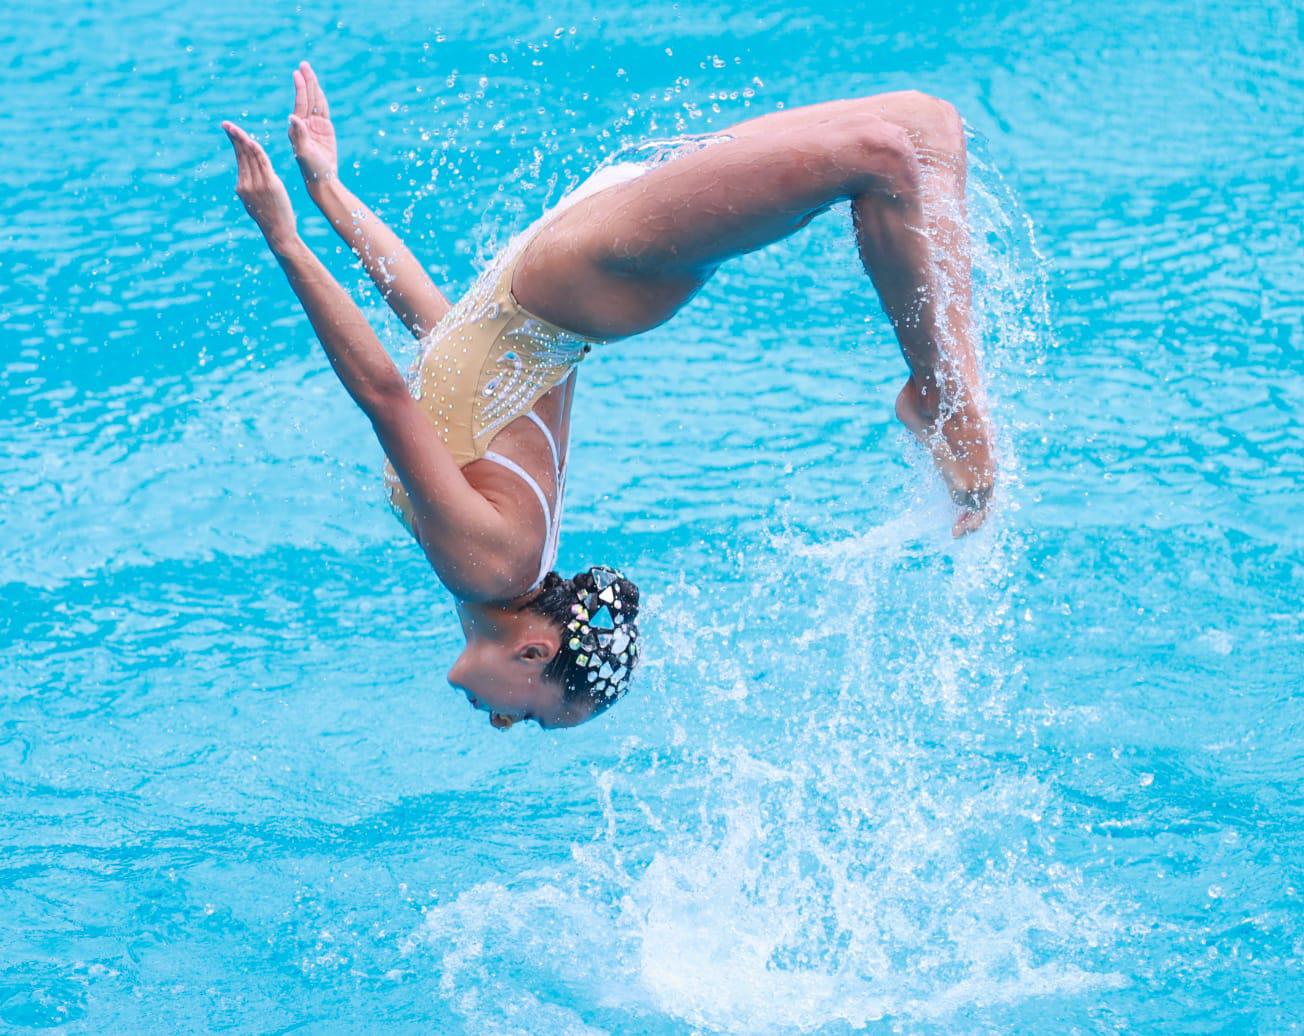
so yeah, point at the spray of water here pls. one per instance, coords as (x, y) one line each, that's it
(842, 829)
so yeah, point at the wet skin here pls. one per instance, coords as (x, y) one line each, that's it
(501, 668)
(621, 262)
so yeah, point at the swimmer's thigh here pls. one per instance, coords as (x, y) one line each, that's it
(627, 258)
(689, 215)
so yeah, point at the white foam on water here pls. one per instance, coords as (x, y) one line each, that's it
(850, 850)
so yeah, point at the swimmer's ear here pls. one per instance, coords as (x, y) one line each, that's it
(537, 651)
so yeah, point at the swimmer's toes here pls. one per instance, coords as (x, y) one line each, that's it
(969, 521)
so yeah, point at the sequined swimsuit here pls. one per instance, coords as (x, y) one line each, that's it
(489, 361)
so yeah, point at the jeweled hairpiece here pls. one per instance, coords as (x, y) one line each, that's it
(603, 642)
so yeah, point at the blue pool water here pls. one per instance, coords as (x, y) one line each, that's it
(1045, 779)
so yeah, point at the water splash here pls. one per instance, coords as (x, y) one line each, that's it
(871, 847)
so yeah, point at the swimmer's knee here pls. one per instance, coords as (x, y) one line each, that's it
(935, 124)
(883, 154)
(945, 126)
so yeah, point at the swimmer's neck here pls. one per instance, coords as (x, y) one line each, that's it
(492, 618)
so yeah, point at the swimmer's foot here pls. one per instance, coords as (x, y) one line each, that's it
(960, 446)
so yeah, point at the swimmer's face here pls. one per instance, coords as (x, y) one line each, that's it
(501, 670)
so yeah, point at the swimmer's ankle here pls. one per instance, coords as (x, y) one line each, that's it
(917, 408)
(922, 407)
(958, 437)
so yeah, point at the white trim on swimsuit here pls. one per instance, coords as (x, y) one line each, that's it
(551, 515)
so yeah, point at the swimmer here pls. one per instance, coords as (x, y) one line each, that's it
(477, 446)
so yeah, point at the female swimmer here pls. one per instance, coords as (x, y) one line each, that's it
(477, 446)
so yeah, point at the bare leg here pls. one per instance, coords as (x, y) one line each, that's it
(916, 250)
(628, 258)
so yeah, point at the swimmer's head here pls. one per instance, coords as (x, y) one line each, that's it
(596, 614)
(559, 660)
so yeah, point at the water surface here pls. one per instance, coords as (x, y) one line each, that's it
(1043, 779)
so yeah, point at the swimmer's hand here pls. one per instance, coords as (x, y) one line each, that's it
(311, 130)
(961, 448)
(261, 190)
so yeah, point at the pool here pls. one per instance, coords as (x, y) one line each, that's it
(1044, 779)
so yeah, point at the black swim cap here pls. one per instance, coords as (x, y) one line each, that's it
(597, 611)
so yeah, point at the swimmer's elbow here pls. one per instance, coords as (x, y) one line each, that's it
(381, 397)
(487, 584)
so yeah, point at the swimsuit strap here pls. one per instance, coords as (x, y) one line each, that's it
(559, 478)
(551, 516)
(547, 434)
(528, 479)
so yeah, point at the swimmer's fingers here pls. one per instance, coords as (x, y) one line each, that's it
(239, 144)
(233, 134)
(316, 95)
(243, 145)
(254, 168)
(311, 132)
(261, 190)
(301, 105)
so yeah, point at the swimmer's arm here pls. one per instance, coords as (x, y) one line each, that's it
(402, 281)
(467, 540)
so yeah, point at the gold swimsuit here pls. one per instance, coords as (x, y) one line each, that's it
(486, 363)
(489, 361)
